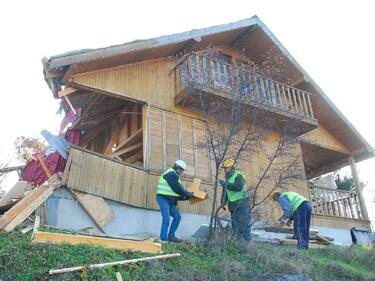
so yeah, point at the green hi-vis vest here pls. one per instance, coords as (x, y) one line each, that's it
(234, 196)
(294, 199)
(163, 186)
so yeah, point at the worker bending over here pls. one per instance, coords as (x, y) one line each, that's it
(298, 208)
(235, 193)
(169, 192)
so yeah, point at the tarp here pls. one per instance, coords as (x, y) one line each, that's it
(34, 173)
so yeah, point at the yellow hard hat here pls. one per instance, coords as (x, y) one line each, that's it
(229, 163)
(273, 193)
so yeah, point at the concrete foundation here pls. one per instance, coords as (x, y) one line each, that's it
(63, 211)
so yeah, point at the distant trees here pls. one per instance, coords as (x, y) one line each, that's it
(27, 146)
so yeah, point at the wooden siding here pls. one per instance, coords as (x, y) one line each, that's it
(96, 174)
(150, 82)
(175, 136)
(321, 137)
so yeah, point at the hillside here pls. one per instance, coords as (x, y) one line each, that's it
(21, 260)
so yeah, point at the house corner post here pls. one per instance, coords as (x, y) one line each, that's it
(357, 183)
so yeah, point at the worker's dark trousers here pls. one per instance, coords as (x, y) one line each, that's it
(240, 218)
(302, 218)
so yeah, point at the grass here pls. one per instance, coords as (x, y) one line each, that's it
(220, 260)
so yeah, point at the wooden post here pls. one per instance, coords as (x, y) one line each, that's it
(353, 166)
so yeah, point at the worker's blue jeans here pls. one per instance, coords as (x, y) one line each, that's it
(302, 218)
(168, 208)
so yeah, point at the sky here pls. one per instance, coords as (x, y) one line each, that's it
(332, 40)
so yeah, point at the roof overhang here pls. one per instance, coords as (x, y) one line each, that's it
(250, 35)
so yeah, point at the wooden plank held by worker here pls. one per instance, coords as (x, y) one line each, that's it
(199, 195)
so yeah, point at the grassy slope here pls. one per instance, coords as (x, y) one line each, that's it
(20, 260)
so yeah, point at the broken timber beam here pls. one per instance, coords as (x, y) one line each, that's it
(126, 150)
(142, 246)
(24, 208)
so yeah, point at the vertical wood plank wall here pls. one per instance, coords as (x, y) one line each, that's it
(175, 136)
(96, 174)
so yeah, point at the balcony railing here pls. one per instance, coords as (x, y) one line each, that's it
(200, 71)
(334, 202)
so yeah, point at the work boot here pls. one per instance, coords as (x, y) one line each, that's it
(174, 239)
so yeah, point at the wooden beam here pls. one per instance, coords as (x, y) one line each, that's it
(129, 140)
(357, 182)
(93, 133)
(94, 119)
(31, 206)
(134, 157)
(146, 247)
(119, 276)
(126, 150)
(101, 265)
(67, 91)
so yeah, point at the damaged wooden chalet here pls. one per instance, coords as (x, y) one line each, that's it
(125, 102)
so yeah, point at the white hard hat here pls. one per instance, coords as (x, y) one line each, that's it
(181, 164)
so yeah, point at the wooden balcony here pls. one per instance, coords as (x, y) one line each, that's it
(213, 77)
(337, 203)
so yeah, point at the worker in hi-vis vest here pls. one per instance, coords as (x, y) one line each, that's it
(169, 192)
(298, 209)
(236, 196)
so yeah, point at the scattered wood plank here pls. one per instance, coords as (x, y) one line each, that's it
(18, 213)
(119, 277)
(36, 225)
(323, 240)
(24, 213)
(113, 236)
(101, 265)
(95, 206)
(67, 91)
(147, 247)
(283, 229)
(27, 229)
(293, 242)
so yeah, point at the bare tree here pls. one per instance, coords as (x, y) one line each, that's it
(235, 102)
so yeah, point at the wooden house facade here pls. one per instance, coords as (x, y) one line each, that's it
(134, 126)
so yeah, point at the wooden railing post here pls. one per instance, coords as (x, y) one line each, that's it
(353, 166)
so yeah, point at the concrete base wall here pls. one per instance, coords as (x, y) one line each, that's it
(63, 211)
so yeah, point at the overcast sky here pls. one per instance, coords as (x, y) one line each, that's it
(332, 40)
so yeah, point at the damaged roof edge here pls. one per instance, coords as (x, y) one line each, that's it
(88, 55)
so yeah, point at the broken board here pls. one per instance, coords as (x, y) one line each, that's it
(95, 206)
(147, 247)
(284, 229)
(199, 195)
(24, 208)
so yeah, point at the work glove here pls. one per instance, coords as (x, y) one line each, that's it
(281, 221)
(190, 195)
(223, 183)
(288, 222)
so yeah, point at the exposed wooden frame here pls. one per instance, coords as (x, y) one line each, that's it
(128, 140)
(126, 150)
(134, 157)
(67, 91)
